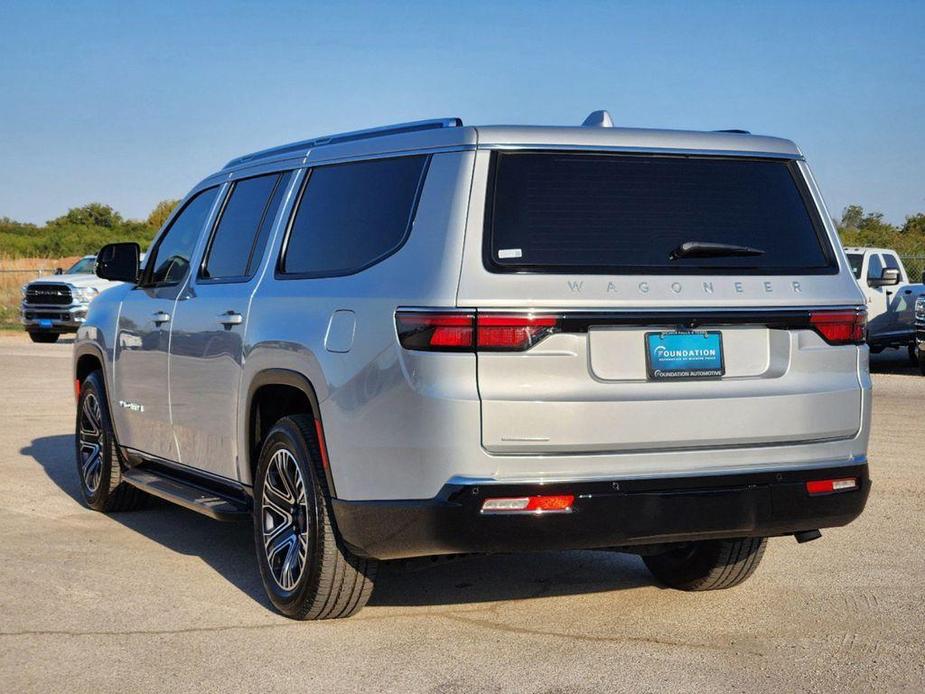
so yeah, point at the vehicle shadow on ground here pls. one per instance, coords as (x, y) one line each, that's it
(893, 361)
(228, 548)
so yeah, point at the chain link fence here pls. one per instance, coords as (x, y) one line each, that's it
(12, 278)
(915, 265)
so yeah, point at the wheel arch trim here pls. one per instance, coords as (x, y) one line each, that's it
(292, 379)
(89, 349)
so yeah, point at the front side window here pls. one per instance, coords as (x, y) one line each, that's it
(353, 215)
(241, 233)
(551, 212)
(170, 260)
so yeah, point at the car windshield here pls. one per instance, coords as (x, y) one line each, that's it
(82, 266)
(856, 261)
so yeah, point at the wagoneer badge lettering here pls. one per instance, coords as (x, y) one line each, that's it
(706, 287)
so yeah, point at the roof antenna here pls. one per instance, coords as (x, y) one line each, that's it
(598, 119)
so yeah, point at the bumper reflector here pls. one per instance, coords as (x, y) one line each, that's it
(530, 504)
(831, 486)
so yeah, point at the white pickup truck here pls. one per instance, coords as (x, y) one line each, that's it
(890, 298)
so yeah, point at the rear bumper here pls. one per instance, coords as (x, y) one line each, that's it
(605, 514)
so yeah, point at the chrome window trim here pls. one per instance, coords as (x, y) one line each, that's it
(642, 150)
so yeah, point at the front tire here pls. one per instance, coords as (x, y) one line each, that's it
(307, 572)
(708, 565)
(921, 359)
(44, 337)
(97, 453)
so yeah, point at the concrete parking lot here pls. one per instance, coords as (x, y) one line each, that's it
(166, 600)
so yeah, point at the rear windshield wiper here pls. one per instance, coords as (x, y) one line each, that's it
(704, 249)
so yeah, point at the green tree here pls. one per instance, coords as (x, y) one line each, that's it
(160, 213)
(92, 214)
(915, 227)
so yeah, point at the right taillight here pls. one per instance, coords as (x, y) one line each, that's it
(512, 332)
(840, 327)
(460, 331)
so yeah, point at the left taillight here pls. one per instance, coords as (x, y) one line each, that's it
(436, 332)
(840, 327)
(466, 332)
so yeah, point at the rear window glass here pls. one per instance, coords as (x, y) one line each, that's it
(351, 216)
(625, 214)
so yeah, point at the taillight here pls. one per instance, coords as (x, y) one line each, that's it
(466, 332)
(840, 327)
(441, 332)
(512, 332)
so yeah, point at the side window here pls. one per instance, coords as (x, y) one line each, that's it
(170, 259)
(241, 233)
(891, 262)
(875, 267)
(351, 216)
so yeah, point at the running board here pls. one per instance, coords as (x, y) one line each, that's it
(187, 495)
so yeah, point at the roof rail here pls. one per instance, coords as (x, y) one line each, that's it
(337, 138)
(734, 130)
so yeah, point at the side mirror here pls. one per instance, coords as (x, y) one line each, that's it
(888, 278)
(118, 262)
(59, 270)
(923, 276)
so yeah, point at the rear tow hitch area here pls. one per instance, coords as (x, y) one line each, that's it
(807, 536)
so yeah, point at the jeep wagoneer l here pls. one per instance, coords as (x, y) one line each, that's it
(433, 339)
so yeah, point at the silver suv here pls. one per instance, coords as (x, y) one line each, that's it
(430, 339)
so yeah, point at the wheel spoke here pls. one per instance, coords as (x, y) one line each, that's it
(272, 533)
(283, 463)
(290, 571)
(274, 498)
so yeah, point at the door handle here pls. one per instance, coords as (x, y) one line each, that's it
(229, 318)
(161, 317)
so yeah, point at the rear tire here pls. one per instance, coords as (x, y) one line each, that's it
(98, 464)
(307, 571)
(913, 354)
(708, 565)
(44, 337)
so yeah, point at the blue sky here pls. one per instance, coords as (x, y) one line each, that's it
(129, 103)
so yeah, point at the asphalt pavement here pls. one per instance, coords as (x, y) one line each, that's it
(165, 600)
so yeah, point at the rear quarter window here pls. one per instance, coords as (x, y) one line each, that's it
(351, 216)
(625, 214)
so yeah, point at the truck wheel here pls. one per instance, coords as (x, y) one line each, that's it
(97, 458)
(43, 337)
(913, 354)
(922, 362)
(708, 565)
(306, 570)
